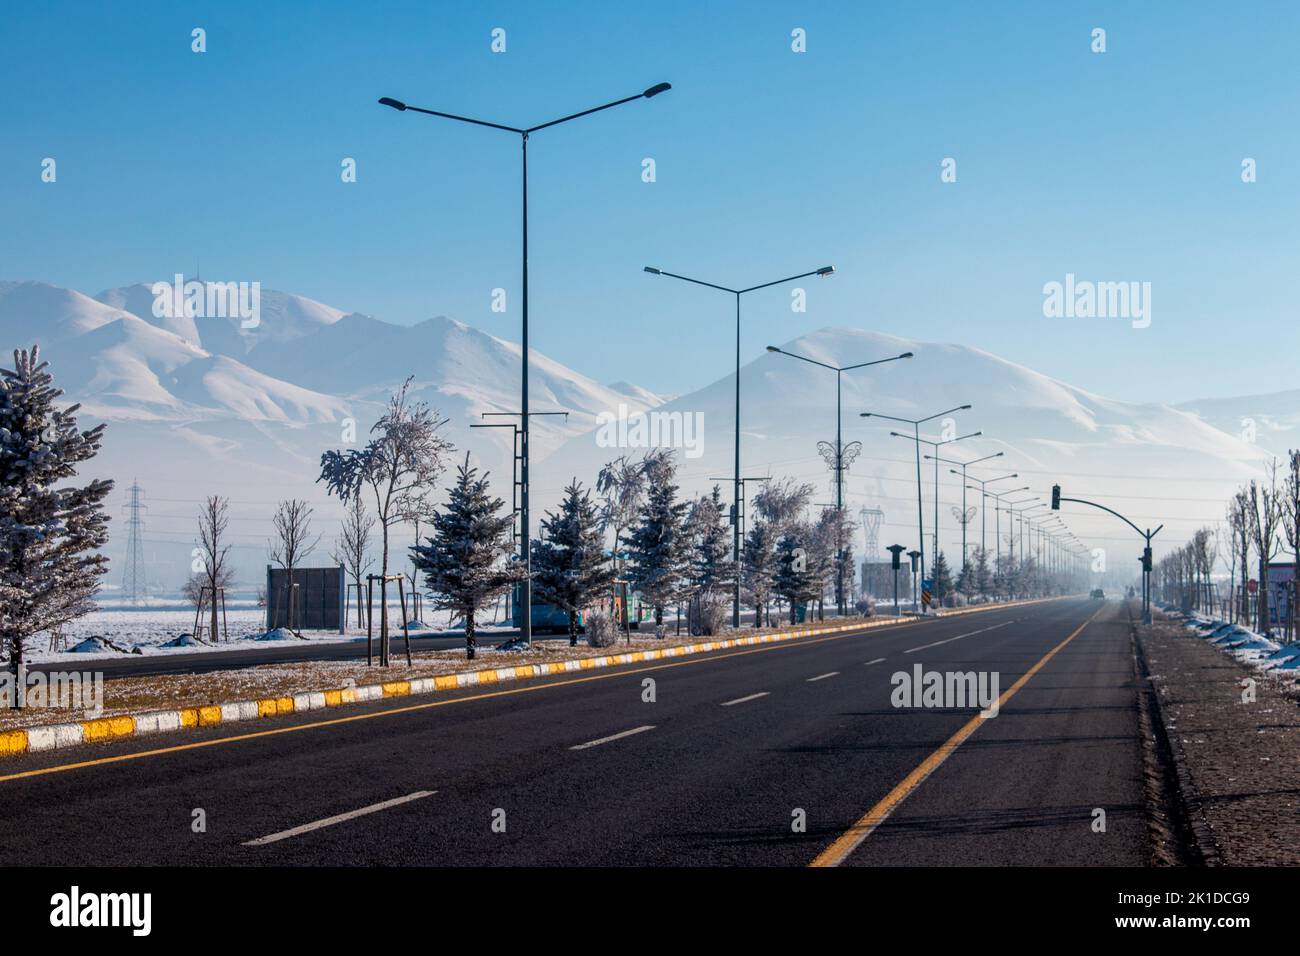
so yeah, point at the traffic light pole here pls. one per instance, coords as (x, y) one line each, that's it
(1147, 535)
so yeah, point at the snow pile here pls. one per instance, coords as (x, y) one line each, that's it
(1245, 645)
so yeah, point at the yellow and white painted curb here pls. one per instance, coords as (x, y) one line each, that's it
(58, 736)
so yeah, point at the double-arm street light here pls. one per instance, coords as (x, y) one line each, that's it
(935, 445)
(963, 465)
(984, 514)
(916, 424)
(735, 519)
(839, 458)
(997, 517)
(526, 631)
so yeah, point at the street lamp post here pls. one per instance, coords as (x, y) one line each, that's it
(916, 436)
(837, 458)
(526, 631)
(984, 523)
(997, 517)
(963, 465)
(735, 526)
(936, 445)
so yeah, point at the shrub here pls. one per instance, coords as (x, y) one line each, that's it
(602, 631)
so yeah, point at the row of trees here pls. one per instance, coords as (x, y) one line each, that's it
(1262, 522)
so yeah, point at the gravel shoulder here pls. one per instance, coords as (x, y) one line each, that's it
(1240, 759)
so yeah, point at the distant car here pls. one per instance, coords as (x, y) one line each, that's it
(1098, 594)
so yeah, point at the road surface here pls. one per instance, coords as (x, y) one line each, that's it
(736, 747)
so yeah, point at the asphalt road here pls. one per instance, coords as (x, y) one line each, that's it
(736, 748)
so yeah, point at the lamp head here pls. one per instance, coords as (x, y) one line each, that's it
(657, 89)
(389, 101)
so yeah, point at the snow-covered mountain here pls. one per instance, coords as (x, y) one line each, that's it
(201, 406)
(1273, 420)
(1152, 462)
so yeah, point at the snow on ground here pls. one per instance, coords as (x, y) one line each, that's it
(152, 631)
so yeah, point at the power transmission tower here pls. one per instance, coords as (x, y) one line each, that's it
(134, 586)
(871, 520)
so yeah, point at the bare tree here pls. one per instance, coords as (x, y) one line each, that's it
(291, 546)
(1265, 513)
(215, 572)
(352, 547)
(1239, 527)
(1291, 524)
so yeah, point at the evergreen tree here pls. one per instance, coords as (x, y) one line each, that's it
(569, 567)
(983, 577)
(941, 578)
(48, 536)
(759, 566)
(466, 562)
(709, 535)
(796, 579)
(657, 545)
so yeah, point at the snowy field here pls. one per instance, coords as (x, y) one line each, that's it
(146, 631)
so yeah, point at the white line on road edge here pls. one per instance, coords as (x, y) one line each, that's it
(741, 700)
(822, 676)
(949, 640)
(605, 740)
(878, 660)
(330, 821)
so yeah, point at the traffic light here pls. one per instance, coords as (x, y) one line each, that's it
(1056, 497)
(1146, 559)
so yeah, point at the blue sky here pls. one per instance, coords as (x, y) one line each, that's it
(1116, 166)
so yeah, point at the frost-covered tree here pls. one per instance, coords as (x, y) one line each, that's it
(398, 467)
(657, 545)
(49, 531)
(569, 566)
(710, 544)
(466, 562)
(621, 485)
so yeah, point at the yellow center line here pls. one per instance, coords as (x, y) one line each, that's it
(854, 836)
